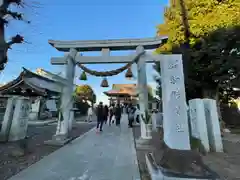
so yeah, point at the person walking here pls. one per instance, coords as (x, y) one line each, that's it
(137, 114)
(111, 113)
(131, 114)
(90, 114)
(118, 114)
(105, 114)
(100, 116)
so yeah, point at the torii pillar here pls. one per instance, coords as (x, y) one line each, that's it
(142, 89)
(65, 124)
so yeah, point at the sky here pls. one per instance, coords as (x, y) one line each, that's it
(79, 20)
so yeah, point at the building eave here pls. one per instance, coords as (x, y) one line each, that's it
(21, 80)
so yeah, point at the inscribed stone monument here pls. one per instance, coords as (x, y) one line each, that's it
(154, 121)
(198, 122)
(3, 106)
(35, 108)
(20, 119)
(175, 118)
(159, 119)
(213, 125)
(8, 116)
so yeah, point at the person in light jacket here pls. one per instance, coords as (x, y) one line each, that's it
(137, 114)
(90, 114)
(111, 114)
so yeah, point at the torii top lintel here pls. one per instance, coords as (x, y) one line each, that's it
(113, 44)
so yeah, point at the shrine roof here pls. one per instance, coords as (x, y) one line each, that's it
(111, 44)
(124, 89)
(21, 81)
(116, 93)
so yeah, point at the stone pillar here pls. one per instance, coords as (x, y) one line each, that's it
(159, 119)
(7, 121)
(154, 105)
(213, 125)
(19, 124)
(154, 121)
(35, 110)
(71, 120)
(198, 122)
(175, 118)
(66, 97)
(142, 89)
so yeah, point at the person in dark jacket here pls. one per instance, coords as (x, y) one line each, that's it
(118, 114)
(105, 114)
(100, 116)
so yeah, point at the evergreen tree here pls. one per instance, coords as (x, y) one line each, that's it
(213, 65)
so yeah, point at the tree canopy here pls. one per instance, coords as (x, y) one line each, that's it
(213, 56)
(85, 92)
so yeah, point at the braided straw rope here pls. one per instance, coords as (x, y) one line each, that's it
(112, 72)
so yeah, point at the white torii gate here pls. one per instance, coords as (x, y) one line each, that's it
(170, 65)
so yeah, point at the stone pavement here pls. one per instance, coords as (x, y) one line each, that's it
(109, 155)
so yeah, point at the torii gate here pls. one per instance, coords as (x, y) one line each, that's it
(174, 110)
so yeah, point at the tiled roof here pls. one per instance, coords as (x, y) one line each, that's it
(20, 80)
(120, 86)
(131, 89)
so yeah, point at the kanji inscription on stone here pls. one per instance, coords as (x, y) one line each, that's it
(174, 79)
(24, 115)
(193, 115)
(177, 110)
(179, 128)
(173, 65)
(176, 94)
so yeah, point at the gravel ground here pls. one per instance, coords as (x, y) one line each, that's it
(226, 165)
(11, 165)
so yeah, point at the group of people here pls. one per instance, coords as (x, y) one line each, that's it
(106, 114)
(112, 114)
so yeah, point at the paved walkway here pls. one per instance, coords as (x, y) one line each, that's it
(110, 155)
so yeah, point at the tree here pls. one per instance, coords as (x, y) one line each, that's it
(85, 92)
(213, 65)
(82, 106)
(5, 12)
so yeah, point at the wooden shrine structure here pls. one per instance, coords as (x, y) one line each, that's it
(31, 84)
(40, 89)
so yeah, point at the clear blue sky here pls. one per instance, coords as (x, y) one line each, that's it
(79, 20)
